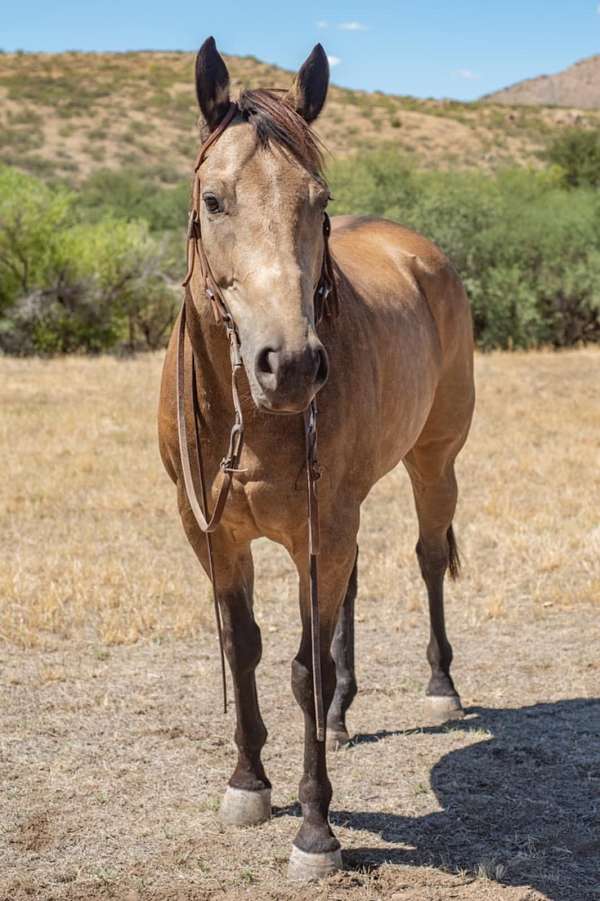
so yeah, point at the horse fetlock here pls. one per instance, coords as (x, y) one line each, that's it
(337, 731)
(315, 836)
(441, 683)
(249, 777)
(337, 737)
(439, 657)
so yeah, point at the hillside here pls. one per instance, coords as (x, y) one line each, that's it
(69, 114)
(577, 86)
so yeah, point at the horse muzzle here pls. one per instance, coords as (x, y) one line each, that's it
(289, 379)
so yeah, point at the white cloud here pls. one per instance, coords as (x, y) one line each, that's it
(322, 24)
(352, 26)
(334, 60)
(468, 74)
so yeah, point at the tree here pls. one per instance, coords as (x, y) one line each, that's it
(73, 286)
(31, 218)
(577, 152)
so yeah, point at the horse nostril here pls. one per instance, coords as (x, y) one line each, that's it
(323, 367)
(266, 361)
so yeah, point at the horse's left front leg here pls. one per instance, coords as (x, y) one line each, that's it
(316, 850)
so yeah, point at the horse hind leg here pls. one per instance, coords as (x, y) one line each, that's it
(342, 651)
(435, 501)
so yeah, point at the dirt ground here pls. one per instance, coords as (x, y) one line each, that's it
(114, 749)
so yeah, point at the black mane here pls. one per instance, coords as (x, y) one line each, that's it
(274, 120)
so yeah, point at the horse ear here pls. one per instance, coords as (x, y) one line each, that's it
(308, 93)
(212, 83)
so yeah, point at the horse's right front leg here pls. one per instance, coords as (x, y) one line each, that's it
(247, 799)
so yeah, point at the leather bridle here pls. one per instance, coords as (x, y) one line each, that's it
(326, 304)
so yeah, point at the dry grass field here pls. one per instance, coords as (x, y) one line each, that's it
(114, 752)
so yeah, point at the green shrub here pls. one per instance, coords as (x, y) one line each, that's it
(526, 249)
(94, 270)
(73, 286)
(130, 195)
(577, 152)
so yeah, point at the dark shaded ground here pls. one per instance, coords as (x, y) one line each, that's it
(113, 763)
(530, 795)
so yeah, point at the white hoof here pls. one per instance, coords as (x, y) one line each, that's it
(440, 709)
(245, 808)
(304, 867)
(337, 740)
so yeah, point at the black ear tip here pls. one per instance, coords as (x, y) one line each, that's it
(318, 55)
(209, 46)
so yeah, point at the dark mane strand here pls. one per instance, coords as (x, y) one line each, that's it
(275, 121)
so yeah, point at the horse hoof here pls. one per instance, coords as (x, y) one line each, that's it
(442, 708)
(245, 808)
(337, 739)
(305, 867)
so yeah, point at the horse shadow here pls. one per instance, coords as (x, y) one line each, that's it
(521, 806)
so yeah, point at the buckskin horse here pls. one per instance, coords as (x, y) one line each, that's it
(256, 339)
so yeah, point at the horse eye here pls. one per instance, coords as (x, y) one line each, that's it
(212, 203)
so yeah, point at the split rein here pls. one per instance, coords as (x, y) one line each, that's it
(326, 305)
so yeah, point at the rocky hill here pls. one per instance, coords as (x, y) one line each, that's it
(578, 86)
(65, 115)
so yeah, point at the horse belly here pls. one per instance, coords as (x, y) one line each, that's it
(402, 393)
(405, 410)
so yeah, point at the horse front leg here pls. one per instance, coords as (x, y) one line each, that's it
(247, 799)
(316, 850)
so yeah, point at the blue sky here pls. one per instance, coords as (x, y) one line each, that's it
(454, 48)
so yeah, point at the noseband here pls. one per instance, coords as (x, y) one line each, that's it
(326, 305)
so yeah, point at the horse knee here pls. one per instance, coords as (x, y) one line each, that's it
(302, 682)
(242, 643)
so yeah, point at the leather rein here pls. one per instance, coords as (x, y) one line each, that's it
(326, 304)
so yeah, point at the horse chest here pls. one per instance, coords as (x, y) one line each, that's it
(267, 508)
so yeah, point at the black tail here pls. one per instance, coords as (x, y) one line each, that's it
(454, 563)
